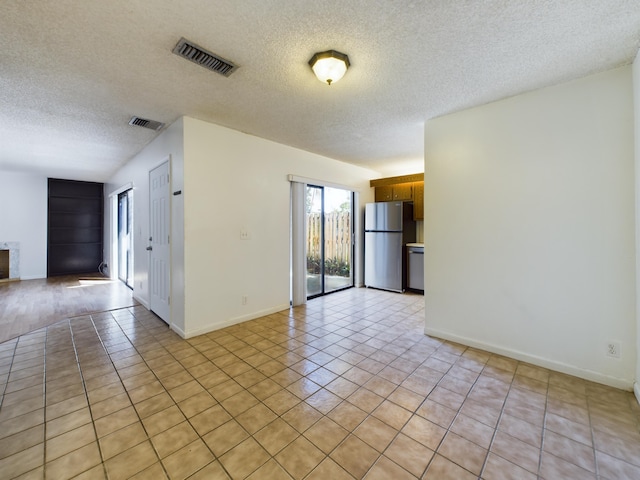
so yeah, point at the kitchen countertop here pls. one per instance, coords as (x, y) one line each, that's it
(415, 245)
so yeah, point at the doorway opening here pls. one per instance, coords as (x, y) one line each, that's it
(125, 237)
(329, 239)
(4, 264)
(75, 212)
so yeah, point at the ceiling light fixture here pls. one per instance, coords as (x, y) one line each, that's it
(329, 66)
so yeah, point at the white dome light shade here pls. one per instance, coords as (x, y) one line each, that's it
(329, 66)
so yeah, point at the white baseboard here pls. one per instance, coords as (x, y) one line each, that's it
(535, 360)
(636, 391)
(141, 301)
(231, 321)
(178, 330)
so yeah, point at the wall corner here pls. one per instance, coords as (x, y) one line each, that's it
(635, 74)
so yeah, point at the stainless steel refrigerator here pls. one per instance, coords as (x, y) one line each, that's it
(388, 227)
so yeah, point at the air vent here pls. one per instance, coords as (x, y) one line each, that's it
(143, 122)
(202, 57)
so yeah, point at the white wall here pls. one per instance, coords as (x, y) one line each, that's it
(235, 181)
(529, 227)
(136, 172)
(23, 218)
(229, 181)
(636, 108)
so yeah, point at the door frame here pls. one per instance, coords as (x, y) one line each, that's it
(165, 314)
(322, 241)
(112, 269)
(323, 289)
(124, 276)
(297, 265)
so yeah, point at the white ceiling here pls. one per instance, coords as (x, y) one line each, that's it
(73, 72)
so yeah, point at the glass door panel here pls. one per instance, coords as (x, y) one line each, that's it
(337, 239)
(125, 239)
(329, 240)
(315, 241)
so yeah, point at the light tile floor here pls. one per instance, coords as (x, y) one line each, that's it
(346, 387)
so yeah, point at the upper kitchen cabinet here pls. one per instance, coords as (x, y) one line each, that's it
(386, 193)
(418, 201)
(403, 191)
(406, 188)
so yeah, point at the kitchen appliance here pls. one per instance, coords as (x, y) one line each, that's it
(388, 226)
(415, 267)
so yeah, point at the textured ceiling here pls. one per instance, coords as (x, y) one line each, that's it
(72, 72)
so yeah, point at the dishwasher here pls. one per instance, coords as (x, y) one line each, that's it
(415, 267)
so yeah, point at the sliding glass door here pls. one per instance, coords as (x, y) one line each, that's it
(125, 237)
(329, 239)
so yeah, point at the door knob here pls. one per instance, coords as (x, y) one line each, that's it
(149, 248)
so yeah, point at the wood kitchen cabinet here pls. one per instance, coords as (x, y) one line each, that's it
(406, 188)
(384, 193)
(402, 192)
(418, 201)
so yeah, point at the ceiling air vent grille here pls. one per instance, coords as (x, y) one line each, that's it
(143, 122)
(202, 57)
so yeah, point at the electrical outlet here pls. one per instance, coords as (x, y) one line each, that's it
(244, 234)
(613, 349)
(245, 299)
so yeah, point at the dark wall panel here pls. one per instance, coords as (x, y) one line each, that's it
(75, 227)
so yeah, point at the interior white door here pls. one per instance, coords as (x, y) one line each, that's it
(159, 241)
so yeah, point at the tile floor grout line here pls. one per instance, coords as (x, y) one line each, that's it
(593, 439)
(86, 393)
(280, 416)
(511, 385)
(216, 458)
(104, 462)
(252, 435)
(495, 430)
(371, 415)
(100, 448)
(435, 451)
(100, 340)
(13, 357)
(458, 413)
(44, 401)
(544, 430)
(200, 437)
(504, 404)
(218, 403)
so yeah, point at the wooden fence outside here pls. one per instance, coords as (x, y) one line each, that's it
(337, 236)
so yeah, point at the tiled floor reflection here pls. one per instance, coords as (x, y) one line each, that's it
(347, 387)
